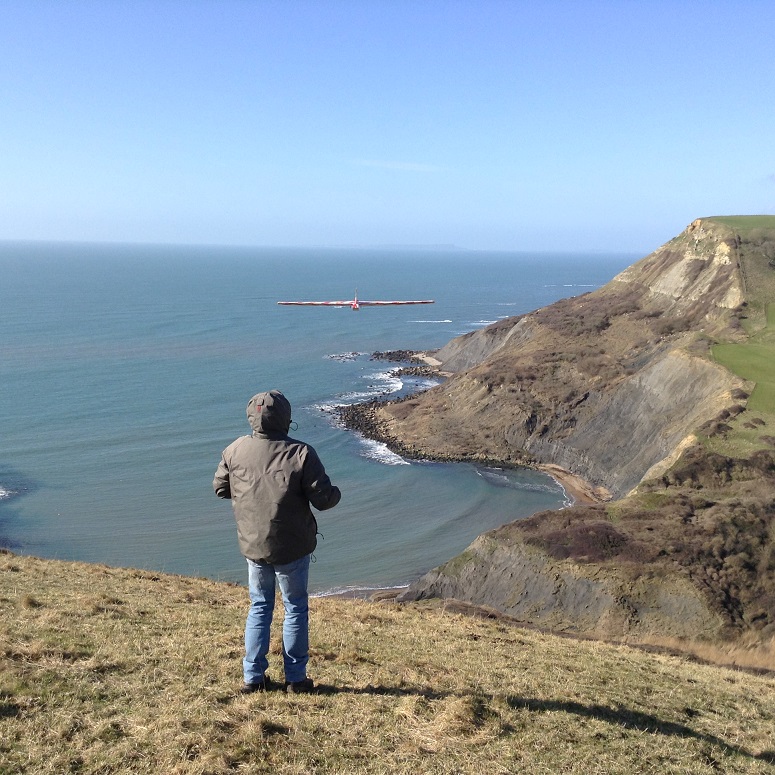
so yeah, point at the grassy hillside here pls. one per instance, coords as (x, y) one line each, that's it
(754, 359)
(120, 671)
(746, 222)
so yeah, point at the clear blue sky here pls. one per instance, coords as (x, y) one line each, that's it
(486, 124)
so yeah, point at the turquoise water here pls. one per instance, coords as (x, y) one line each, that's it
(125, 370)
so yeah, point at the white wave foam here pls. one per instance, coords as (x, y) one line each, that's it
(571, 285)
(355, 396)
(427, 384)
(326, 406)
(5, 493)
(345, 356)
(567, 500)
(390, 382)
(354, 591)
(498, 478)
(376, 450)
(492, 475)
(381, 383)
(430, 321)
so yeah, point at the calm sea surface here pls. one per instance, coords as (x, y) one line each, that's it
(125, 370)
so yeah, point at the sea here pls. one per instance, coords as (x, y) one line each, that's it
(126, 369)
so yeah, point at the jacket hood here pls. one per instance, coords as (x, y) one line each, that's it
(269, 412)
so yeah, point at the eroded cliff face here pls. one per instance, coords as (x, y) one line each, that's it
(691, 555)
(615, 386)
(698, 268)
(507, 574)
(633, 428)
(608, 385)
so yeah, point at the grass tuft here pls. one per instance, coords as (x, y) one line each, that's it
(28, 601)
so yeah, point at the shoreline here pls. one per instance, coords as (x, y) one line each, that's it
(372, 594)
(579, 489)
(362, 418)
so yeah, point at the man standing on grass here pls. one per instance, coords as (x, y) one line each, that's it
(272, 479)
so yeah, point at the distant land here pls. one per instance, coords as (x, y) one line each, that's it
(395, 246)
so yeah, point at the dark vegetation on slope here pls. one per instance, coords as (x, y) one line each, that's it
(711, 517)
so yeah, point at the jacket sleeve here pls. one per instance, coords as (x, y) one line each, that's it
(317, 486)
(221, 483)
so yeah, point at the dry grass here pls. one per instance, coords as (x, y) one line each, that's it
(120, 671)
(750, 652)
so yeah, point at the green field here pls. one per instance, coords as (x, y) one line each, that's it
(743, 223)
(753, 360)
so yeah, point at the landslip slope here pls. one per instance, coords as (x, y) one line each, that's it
(608, 384)
(618, 386)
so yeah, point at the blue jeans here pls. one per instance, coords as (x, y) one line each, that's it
(292, 579)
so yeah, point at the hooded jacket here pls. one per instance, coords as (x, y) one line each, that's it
(272, 479)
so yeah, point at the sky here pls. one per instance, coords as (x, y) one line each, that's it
(590, 125)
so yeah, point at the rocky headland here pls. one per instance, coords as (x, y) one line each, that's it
(617, 393)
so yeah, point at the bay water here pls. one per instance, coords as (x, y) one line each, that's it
(126, 369)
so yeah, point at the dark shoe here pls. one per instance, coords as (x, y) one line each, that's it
(304, 686)
(262, 686)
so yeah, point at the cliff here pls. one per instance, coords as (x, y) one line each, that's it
(619, 386)
(608, 384)
(690, 556)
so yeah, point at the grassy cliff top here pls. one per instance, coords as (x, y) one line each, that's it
(745, 223)
(123, 671)
(754, 359)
